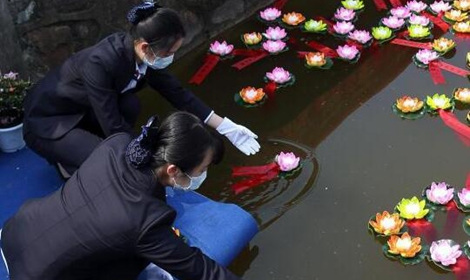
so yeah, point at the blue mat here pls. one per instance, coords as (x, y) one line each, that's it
(220, 230)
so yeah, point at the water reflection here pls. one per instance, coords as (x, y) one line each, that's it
(269, 201)
(369, 157)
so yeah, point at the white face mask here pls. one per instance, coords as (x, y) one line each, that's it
(159, 62)
(194, 182)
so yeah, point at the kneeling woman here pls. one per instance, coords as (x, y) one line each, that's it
(110, 219)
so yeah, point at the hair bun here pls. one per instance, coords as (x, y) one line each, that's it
(140, 150)
(142, 11)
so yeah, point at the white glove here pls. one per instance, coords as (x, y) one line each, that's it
(240, 136)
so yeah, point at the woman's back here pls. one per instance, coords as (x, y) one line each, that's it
(94, 219)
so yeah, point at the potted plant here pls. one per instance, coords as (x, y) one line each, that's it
(12, 93)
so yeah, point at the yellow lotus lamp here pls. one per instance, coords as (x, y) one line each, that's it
(407, 104)
(456, 15)
(443, 45)
(463, 5)
(412, 208)
(462, 27)
(252, 38)
(462, 95)
(315, 59)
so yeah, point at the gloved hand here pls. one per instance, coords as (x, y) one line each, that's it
(240, 136)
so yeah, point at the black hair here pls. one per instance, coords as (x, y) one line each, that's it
(160, 27)
(182, 139)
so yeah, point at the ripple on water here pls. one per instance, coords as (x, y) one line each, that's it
(269, 201)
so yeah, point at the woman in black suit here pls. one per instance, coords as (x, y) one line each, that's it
(93, 94)
(110, 219)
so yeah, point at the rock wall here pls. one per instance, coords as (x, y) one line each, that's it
(40, 34)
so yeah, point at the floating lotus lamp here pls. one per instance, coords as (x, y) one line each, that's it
(381, 33)
(252, 38)
(464, 197)
(361, 36)
(439, 193)
(418, 31)
(408, 104)
(279, 75)
(293, 19)
(404, 246)
(347, 52)
(274, 47)
(343, 27)
(393, 22)
(455, 15)
(463, 5)
(462, 27)
(316, 59)
(468, 59)
(270, 14)
(315, 26)
(443, 45)
(221, 49)
(437, 102)
(387, 224)
(252, 95)
(344, 14)
(353, 4)
(401, 12)
(424, 57)
(275, 33)
(440, 6)
(412, 208)
(418, 20)
(468, 117)
(445, 252)
(416, 6)
(287, 161)
(462, 95)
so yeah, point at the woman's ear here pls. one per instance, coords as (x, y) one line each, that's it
(172, 170)
(140, 48)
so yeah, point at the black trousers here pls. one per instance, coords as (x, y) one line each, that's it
(72, 149)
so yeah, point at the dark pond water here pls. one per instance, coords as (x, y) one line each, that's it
(359, 157)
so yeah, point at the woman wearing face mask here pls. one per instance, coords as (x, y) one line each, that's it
(93, 94)
(110, 219)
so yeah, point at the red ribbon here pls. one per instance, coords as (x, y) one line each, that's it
(257, 176)
(462, 130)
(380, 5)
(395, 3)
(250, 60)
(358, 45)
(406, 43)
(270, 89)
(462, 268)
(467, 182)
(453, 69)
(436, 73)
(301, 54)
(210, 62)
(453, 214)
(279, 4)
(245, 52)
(322, 48)
(422, 228)
(437, 21)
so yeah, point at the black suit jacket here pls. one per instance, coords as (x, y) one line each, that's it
(91, 81)
(108, 220)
